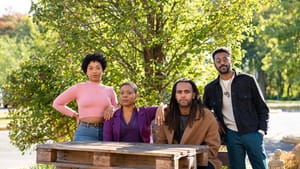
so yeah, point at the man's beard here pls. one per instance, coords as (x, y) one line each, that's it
(228, 69)
(185, 105)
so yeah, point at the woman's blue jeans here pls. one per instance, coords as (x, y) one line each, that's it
(84, 133)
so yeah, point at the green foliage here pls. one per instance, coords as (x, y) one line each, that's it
(42, 166)
(273, 51)
(16, 42)
(152, 42)
(8, 24)
(34, 120)
(30, 90)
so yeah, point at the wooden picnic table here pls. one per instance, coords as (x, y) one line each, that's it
(112, 155)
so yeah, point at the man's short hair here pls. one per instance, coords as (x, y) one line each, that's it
(219, 50)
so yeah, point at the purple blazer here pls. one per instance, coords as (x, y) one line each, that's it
(111, 129)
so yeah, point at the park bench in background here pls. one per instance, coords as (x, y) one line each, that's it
(120, 155)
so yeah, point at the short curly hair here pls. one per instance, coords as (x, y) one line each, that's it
(93, 57)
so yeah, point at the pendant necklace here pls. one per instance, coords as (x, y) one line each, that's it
(227, 86)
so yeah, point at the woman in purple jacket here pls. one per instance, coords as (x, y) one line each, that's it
(130, 123)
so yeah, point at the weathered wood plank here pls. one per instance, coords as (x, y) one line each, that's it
(82, 157)
(120, 155)
(46, 155)
(123, 147)
(164, 163)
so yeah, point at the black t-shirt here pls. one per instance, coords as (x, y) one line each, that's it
(183, 122)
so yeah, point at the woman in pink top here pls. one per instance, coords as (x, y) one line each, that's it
(95, 101)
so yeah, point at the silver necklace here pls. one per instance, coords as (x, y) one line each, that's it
(226, 87)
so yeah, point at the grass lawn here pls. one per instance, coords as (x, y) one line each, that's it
(3, 116)
(4, 120)
(3, 123)
(276, 104)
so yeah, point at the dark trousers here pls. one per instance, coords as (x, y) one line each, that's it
(240, 144)
(210, 166)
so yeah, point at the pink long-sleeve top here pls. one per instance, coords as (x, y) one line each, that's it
(92, 99)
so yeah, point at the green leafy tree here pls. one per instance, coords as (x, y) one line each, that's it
(31, 90)
(8, 23)
(274, 50)
(15, 42)
(152, 43)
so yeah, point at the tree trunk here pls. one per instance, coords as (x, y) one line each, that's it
(261, 79)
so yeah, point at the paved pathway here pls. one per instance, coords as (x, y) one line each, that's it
(282, 124)
(11, 157)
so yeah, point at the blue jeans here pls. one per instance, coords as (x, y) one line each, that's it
(240, 144)
(84, 133)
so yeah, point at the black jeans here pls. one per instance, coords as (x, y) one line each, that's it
(210, 166)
